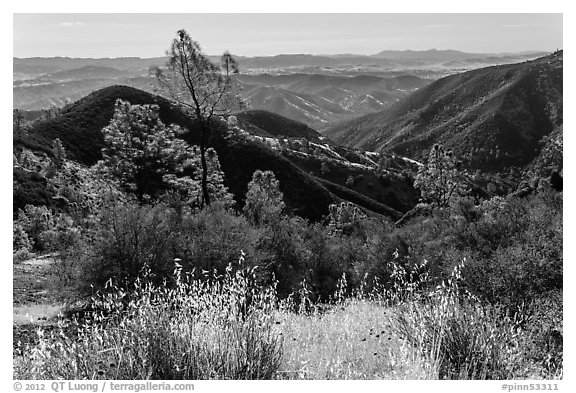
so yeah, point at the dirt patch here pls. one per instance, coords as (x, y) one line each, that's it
(38, 299)
(34, 281)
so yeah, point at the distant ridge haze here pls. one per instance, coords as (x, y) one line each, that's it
(317, 90)
(281, 60)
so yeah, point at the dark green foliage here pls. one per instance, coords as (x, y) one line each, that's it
(264, 201)
(30, 188)
(20, 239)
(214, 238)
(130, 239)
(521, 249)
(275, 125)
(303, 195)
(395, 191)
(360, 199)
(439, 180)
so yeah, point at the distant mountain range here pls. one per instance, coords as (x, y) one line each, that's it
(317, 90)
(45, 65)
(492, 117)
(448, 55)
(25, 68)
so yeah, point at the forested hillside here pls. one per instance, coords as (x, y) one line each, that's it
(493, 118)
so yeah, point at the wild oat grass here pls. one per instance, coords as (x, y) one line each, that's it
(462, 338)
(209, 328)
(229, 327)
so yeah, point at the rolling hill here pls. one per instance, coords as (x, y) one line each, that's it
(80, 123)
(493, 117)
(44, 92)
(272, 124)
(320, 100)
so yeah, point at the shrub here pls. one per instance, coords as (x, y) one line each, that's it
(62, 234)
(517, 251)
(128, 239)
(212, 238)
(280, 253)
(544, 324)
(346, 218)
(383, 251)
(323, 260)
(30, 188)
(132, 237)
(20, 239)
(35, 220)
(49, 232)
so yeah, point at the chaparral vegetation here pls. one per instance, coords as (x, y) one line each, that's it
(198, 245)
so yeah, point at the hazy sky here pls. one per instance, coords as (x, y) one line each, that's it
(149, 35)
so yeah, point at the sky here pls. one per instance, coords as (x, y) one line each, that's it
(149, 35)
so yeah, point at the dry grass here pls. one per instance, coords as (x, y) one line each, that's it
(462, 338)
(227, 327)
(353, 340)
(210, 328)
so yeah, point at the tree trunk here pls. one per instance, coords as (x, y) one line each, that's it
(205, 193)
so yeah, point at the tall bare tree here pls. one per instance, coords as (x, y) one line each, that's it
(201, 88)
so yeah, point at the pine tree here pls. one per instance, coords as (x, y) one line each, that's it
(59, 152)
(439, 180)
(201, 89)
(148, 158)
(264, 200)
(17, 124)
(142, 153)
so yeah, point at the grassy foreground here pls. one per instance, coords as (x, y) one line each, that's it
(227, 327)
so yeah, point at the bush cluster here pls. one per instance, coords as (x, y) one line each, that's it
(40, 229)
(513, 246)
